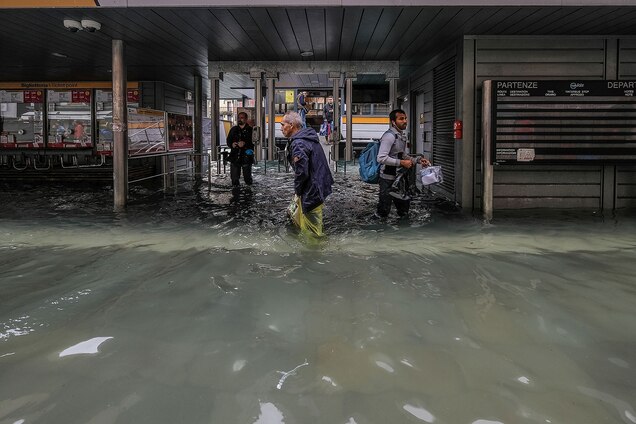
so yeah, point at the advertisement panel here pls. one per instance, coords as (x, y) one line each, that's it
(146, 133)
(180, 132)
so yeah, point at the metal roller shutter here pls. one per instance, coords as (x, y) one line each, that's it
(443, 117)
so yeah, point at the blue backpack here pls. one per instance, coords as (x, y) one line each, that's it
(369, 166)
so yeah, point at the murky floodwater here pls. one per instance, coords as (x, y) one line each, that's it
(206, 307)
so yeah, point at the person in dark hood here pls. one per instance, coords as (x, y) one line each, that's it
(242, 151)
(312, 179)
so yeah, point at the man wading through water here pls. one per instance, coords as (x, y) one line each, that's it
(393, 156)
(241, 155)
(312, 176)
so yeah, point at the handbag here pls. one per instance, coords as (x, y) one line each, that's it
(431, 175)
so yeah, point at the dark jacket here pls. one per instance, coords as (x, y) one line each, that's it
(237, 154)
(327, 112)
(301, 104)
(313, 180)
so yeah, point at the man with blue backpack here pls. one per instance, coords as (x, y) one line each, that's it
(394, 160)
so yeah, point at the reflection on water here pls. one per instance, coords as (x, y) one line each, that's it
(205, 306)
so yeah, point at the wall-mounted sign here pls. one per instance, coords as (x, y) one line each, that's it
(80, 96)
(33, 96)
(69, 85)
(132, 95)
(563, 121)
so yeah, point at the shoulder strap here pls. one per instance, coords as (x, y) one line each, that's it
(389, 131)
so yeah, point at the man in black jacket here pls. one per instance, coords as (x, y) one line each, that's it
(242, 151)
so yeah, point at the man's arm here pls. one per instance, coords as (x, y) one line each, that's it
(232, 136)
(386, 142)
(301, 167)
(249, 144)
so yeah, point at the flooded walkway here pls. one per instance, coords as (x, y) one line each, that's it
(206, 307)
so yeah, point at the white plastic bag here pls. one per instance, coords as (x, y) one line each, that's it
(431, 175)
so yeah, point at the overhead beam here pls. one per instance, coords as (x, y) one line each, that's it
(390, 69)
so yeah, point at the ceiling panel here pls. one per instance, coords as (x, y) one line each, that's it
(405, 21)
(266, 26)
(386, 21)
(300, 27)
(316, 17)
(175, 44)
(352, 18)
(368, 24)
(333, 26)
(283, 27)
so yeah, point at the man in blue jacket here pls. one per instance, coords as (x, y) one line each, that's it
(312, 179)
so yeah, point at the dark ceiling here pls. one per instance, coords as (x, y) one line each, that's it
(174, 44)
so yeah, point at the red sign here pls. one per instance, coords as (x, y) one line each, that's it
(184, 143)
(80, 96)
(133, 96)
(33, 96)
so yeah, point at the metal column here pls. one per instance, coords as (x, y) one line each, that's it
(214, 115)
(120, 127)
(198, 126)
(335, 77)
(258, 119)
(393, 93)
(349, 142)
(271, 118)
(486, 140)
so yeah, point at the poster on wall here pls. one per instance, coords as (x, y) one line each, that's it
(180, 136)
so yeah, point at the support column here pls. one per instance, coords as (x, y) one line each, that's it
(120, 127)
(258, 107)
(393, 93)
(271, 119)
(348, 94)
(335, 79)
(214, 114)
(486, 152)
(198, 126)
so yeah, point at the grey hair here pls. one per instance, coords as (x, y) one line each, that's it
(293, 118)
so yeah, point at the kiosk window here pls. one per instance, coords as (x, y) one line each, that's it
(69, 114)
(21, 117)
(104, 114)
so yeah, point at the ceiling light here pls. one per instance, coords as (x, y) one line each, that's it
(56, 54)
(307, 53)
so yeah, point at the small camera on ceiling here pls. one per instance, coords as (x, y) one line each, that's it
(72, 25)
(91, 26)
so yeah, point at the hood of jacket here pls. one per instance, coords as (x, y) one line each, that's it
(307, 134)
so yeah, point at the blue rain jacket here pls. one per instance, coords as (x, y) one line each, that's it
(313, 178)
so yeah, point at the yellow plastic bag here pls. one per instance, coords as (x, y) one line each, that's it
(310, 222)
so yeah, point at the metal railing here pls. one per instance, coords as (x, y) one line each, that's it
(172, 173)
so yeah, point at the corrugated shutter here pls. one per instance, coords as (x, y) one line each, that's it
(443, 117)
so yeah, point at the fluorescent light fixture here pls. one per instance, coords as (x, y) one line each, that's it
(307, 53)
